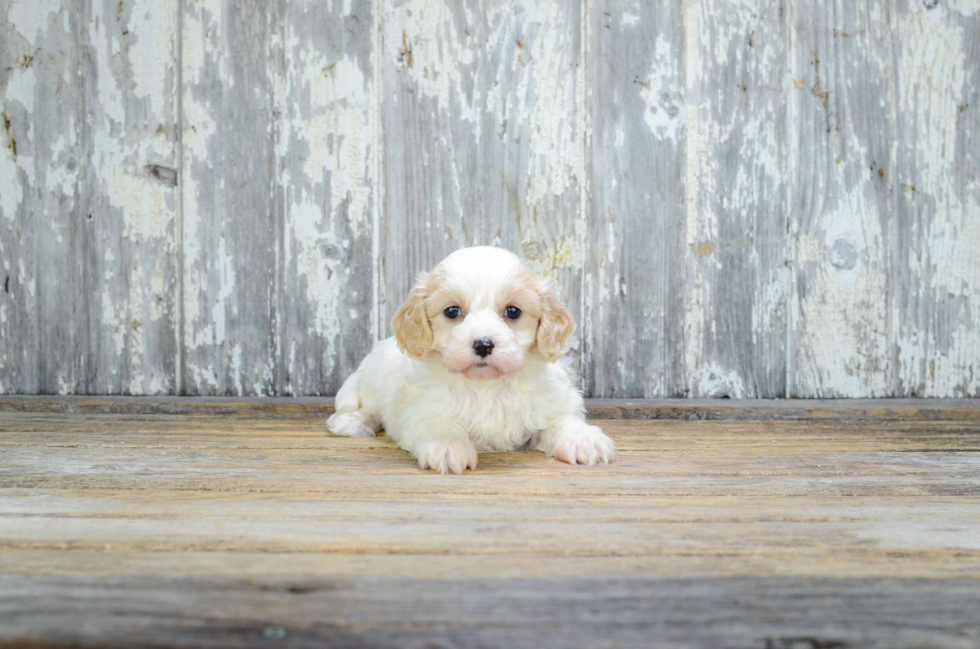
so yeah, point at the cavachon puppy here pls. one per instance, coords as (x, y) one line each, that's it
(473, 367)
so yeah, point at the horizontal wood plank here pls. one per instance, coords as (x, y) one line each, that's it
(560, 613)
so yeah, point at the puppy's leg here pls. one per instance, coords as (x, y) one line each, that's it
(352, 424)
(570, 439)
(440, 445)
(349, 419)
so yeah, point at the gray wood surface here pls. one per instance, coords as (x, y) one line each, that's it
(357, 612)
(739, 199)
(935, 275)
(736, 248)
(636, 280)
(199, 529)
(231, 223)
(843, 91)
(88, 198)
(328, 183)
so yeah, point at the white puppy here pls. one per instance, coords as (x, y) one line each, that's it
(472, 368)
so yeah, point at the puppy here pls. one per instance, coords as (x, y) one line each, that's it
(472, 368)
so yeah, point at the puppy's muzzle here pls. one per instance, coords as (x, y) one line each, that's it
(483, 347)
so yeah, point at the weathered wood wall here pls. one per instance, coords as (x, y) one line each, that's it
(744, 199)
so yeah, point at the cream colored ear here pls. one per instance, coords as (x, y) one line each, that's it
(555, 325)
(411, 323)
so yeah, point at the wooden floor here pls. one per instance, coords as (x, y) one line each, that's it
(123, 527)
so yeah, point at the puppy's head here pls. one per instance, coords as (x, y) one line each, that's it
(484, 312)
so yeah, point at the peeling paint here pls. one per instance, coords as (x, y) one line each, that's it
(30, 17)
(379, 143)
(11, 190)
(435, 65)
(840, 330)
(715, 383)
(936, 334)
(664, 101)
(151, 55)
(556, 151)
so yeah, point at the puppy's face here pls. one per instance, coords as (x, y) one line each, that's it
(484, 312)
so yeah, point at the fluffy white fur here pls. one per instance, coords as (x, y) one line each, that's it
(433, 394)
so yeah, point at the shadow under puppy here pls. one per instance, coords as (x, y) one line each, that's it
(473, 367)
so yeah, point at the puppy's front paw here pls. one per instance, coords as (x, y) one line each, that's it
(447, 455)
(584, 444)
(350, 424)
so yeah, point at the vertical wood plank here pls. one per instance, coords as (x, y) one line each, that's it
(230, 235)
(37, 52)
(484, 137)
(89, 207)
(736, 243)
(130, 194)
(327, 157)
(40, 157)
(936, 251)
(842, 200)
(635, 276)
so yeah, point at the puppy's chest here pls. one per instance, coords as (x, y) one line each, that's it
(502, 419)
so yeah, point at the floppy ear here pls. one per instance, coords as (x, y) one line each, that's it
(411, 322)
(555, 325)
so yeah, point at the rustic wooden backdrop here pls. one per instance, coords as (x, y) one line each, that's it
(739, 198)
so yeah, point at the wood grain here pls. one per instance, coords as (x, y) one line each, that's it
(230, 230)
(88, 242)
(325, 185)
(844, 198)
(577, 612)
(39, 238)
(635, 279)
(935, 273)
(130, 197)
(196, 530)
(736, 247)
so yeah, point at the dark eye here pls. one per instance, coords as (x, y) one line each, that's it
(452, 312)
(512, 312)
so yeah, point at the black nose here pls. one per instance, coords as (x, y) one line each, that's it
(483, 347)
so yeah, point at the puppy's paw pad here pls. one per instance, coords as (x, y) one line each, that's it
(586, 445)
(447, 455)
(349, 424)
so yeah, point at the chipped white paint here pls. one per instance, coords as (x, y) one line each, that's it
(19, 95)
(663, 113)
(735, 199)
(31, 17)
(11, 189)
(842, 80)
(556, 152)
(134, 53)
(439, 60)
(20, 87)
(79, 136)
(716, 382)
(938, 338)
(328, 149)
